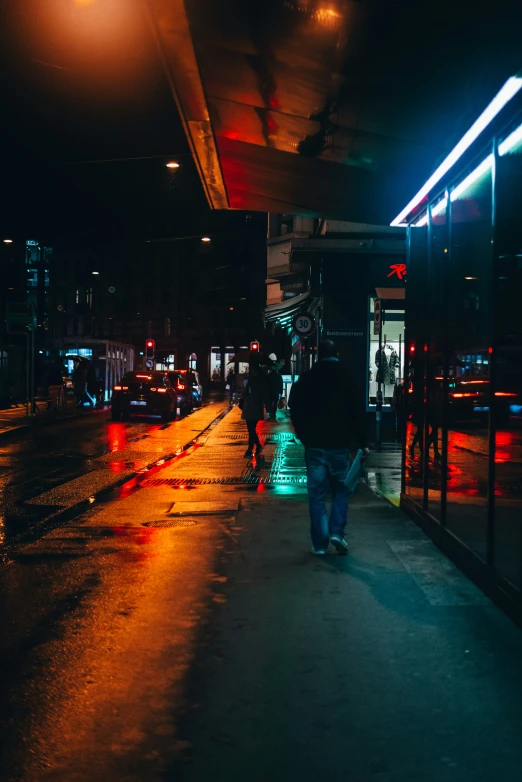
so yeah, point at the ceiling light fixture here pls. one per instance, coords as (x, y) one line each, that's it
(172, 164)
(205, 238)
(508, 91)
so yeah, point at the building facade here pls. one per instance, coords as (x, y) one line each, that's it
(335, 271)
(462, 470)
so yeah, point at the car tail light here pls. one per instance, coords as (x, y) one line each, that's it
(125, 388)
(153, 389)
(504, 393)
(181, 386)
(117, 388)
(161, 390)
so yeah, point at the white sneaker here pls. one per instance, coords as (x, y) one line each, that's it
(340, 544)
(318, 552)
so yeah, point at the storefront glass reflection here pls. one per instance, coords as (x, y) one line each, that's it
(508, 368)
(469, 316)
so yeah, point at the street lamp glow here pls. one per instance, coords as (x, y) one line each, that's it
(172, 164)
(96, 272)
(205, 238)
(8, 241)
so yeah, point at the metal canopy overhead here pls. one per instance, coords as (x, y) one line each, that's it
(334, 108)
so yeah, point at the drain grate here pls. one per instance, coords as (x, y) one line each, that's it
(237, 480)
(170, 523)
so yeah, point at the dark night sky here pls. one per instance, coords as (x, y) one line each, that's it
(73, 90)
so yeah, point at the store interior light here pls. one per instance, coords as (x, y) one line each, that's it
(480, 171)
(508, 91)
(510, 142)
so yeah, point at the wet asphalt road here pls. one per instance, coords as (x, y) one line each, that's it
(178, 628)
(91, 450)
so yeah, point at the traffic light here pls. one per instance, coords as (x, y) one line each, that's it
(150, 347)
(254, 347)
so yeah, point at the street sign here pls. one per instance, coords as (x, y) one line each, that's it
(304, 324)
(377, 316)
(149, 363)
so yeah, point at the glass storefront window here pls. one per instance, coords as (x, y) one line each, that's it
(386, 366)
(469, 338)
(507, 548)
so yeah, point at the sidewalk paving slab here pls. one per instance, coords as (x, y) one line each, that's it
(224, 650)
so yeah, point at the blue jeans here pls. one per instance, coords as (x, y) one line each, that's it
(327, 467)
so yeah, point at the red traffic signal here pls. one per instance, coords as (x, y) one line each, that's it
(150, 346)
(254, 347)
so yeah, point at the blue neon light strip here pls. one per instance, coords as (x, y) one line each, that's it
(508, 91)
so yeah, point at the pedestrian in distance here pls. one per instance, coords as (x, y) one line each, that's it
(231, 386)
(253, 407)
(275, 391)
(325, 419)
(79, 378)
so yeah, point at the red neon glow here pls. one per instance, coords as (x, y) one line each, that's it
(181, 386)
(399, 269)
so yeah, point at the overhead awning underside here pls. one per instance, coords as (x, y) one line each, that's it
(286, 310)
(333, 109)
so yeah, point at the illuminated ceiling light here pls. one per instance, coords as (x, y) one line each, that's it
(8, 241)
(470, 180)
(96, 272)
(511, 141)
(508, 91)
(172, 164)
(422, 221)
(205, 238)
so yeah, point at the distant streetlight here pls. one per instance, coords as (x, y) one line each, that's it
(205, 238)
(96, 272)
(8, 241)
(172, 164)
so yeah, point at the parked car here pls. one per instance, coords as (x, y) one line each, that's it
(180, 384)
(192, 381)
(143, 393)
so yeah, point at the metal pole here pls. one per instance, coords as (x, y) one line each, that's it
(492, 430)
(33, 406)
(378, 404)
(27, 391)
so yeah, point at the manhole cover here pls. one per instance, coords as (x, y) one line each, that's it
(170, 523)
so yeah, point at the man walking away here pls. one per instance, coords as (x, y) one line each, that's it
(322, 409)
(254, 400)
(275, 390)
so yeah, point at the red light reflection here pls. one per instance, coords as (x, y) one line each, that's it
(116, 437)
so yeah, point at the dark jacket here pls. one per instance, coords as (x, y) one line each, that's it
(255, 398)
(323, 408)
(275, 383)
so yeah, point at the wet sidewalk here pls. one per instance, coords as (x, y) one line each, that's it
(201, 640)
